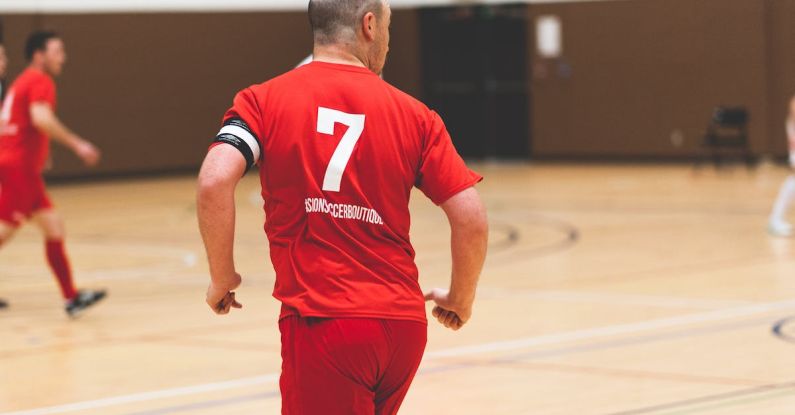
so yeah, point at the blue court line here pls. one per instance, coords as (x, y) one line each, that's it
(612, 344)
(782, 329)
(673, 335)
(709, 398)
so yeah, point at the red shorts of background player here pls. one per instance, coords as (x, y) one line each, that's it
(355, 366)
(22, 193)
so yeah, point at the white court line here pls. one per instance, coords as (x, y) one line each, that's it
(612, 330)
(502, 346)
(610, 298)
(150, 396)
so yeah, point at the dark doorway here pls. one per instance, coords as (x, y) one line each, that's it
(475, 73)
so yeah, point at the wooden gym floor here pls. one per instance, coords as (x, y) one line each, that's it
(608, 290)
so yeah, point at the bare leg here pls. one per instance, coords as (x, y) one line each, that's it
(52, 227)
(7, 230)
(778, 224)
(50, 224)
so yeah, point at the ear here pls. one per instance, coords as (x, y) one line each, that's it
(369, 24)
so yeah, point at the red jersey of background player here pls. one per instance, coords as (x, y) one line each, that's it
(21, 143)
(339, 152)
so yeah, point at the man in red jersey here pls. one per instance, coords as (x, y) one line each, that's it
(27, 122)
(339, 151)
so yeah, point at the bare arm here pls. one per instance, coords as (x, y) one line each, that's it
(45, 120)
(469, 240)
(222, 169)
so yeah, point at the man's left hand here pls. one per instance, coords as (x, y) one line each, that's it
(221, 298)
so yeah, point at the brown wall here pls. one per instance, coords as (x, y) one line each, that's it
(641, 70)
(403, 66)
(781, 69)
(150, 89)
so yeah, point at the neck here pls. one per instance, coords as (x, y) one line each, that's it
(337, 53)
(37, 66)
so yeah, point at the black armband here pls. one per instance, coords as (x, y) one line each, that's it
(236, 133)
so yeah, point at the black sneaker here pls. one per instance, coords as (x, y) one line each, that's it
(3, 304)
(84, 299)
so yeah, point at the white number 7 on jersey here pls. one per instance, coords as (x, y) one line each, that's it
(326, 118)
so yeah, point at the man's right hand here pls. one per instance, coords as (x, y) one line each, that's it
(450, 313)
(87, 152)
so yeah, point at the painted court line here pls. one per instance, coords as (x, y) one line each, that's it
(718, 401)
(611, 298)
(150, 396)
(620, 329)
(586, 334)
(461, 366)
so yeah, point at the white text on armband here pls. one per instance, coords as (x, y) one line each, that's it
(342, 211)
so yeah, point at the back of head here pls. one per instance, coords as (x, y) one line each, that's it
(336, 21)
(37, 41)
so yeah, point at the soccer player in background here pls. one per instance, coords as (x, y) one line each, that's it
(3, 71)
(778, 224)
(339, 151)
(27, 123)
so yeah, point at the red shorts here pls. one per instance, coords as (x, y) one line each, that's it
(22, 193)
(353, 366)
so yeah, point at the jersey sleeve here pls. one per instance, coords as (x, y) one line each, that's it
(442, 173)
(242, 127)
(43, 90)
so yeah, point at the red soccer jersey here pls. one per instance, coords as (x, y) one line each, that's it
(339, 152)
(22, 144)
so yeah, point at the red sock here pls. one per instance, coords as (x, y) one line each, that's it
(56, 256)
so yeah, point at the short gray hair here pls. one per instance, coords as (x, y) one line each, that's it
(336, 21)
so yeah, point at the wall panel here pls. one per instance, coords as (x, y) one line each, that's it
(150, 89)
(781, 70)
(635, 72)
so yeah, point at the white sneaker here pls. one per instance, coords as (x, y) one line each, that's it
(779, 228)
